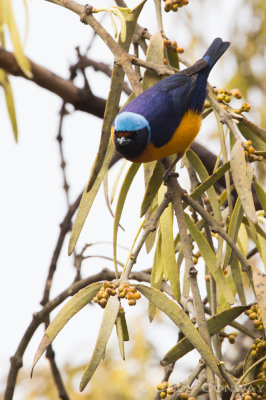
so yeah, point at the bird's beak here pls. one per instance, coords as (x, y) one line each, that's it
(123, 140)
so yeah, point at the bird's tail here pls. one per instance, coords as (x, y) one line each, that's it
(215, 51)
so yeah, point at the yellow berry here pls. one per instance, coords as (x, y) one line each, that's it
(251, 150)
(103, 303)
(132, 302)
(183, 395)
(231, 339)
(207, 278)
(137, 295)
(163, 395)
(252, 316)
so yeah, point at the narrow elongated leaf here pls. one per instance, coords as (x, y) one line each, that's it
(156, 274)
(22, 60)
(210, 260)
(233, 229)
(155, 54)
(261, 195)
(133, 169)
(72, 307)
(116, 181)
(203, 174)
(242, 182)
(237, 278)
(120, 336)
(208, 182)
(179, 317)
(4, 81)
(249, 360)
(262, 246)
(148, 170)
(108, 321)
(259, 279)
(152, 188)
(168, 248)
(112, 105)
(215, 324)
(87, 200)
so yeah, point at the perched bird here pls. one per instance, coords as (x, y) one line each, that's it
(166, 118)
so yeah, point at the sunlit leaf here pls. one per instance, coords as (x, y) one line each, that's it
(215, 324)
(179, 317)
(4, 81)
(155, 54)
(242, 182)
(108, 321)
(237, 277)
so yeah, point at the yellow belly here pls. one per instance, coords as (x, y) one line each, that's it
(180, 141)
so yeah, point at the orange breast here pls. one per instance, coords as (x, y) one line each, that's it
(180, 141)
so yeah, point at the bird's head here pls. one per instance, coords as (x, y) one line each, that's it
(131, 134)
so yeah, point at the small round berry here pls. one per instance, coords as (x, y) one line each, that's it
(163, 395)
(103, 303)
(132, 302)
(231, 339)
(183, 396)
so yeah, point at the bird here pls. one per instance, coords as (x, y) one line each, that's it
(166, 118)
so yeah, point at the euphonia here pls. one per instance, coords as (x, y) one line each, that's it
(166, 118)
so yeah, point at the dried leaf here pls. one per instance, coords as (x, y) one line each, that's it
(242, 182)
(261, 195)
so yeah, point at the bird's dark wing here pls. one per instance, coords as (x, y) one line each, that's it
(163, 105)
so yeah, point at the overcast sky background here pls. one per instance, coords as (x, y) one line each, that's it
(33, 203)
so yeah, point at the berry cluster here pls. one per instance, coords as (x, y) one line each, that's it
(195, 257)
(224, 96)
(258, 348)
(249, 152)
(108, 289)
(230, 336)
(254, 315)
(128, 292)
(172, 45)
(254, 394)
(174, 5)
(112, 288)
(165, 389)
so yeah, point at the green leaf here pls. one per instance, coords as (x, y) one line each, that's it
(108, 321)
(152, 188)
(179, 317)
(156, 274)
(173, 57)
(210, 260)
(208, 182)
(88, 198)
(237, 278)
(234, 226)
(72, 307)
(203, 174)
(168, 248)
(261, 195)
(148, 170)
(116, 181)
(133, 169)
(242, 182)
(215, 324)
